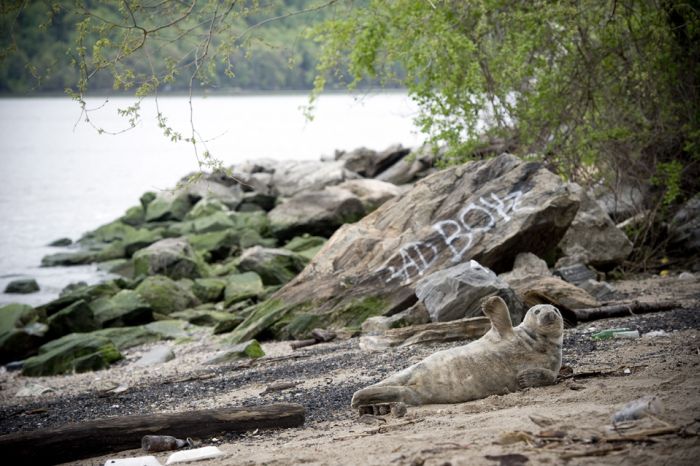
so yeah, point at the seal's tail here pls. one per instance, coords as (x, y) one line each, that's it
(378, 394)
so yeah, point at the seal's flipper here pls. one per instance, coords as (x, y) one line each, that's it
(384, 394)
(536, 378)
(497, 311)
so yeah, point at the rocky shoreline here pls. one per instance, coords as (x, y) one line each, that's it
(380, 245)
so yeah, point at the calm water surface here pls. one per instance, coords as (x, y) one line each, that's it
(59, 179)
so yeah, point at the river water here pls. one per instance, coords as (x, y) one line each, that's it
(59, 177)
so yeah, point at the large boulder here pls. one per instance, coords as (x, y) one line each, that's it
(77, 352)
(594, 236)
(456, 292)
(164, 295)
(172, 257)
(488, 211)
(274, 266)
(315, 212)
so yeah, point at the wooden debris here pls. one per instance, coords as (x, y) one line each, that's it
(463, 329)
(597, 452)
(624, 310)
(278, 387)
(319, 336)
(93, 438)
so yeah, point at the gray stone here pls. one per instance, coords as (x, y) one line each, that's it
(372, 193)
(368, 162)
(209, 290)
(294, 177)
(526, 265)
(594, 234)
(22, 286)
(168, 205)
(576, 274)
(456, 292)
(624, 201)
(206, 207)
(409, 168)
(315, 212)
(230, 196)
(157, 355)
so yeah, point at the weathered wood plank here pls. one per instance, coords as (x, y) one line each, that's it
(93, 438)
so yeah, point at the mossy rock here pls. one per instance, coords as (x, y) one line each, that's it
(249, 238)
(168, 206)
(215, 222)
(68, 259)
(209, 289)
(206, 207)
(22, 286)
(18, 343)
(123, 267)
(21, 331)
(177, 229)
(262, 317)
(124, 309)
(164, 295)
(128, 337)
(134, 216)
(146, 198)
(170, 329)
(203, 317)
(107, 233)
(247, 350)
(298, 327)
(226, 326)
(225, 268)
(172, 257)
(256, 221)
(78, 317)
(86, 293)
(77, 352)
(214, 246)
(275, 266)
(241, 287)
(14, 316)
(304, 242)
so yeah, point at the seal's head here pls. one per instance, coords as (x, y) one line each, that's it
(546, 320)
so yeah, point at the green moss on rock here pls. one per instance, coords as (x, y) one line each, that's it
(241, 287)
(73, 353)
(164, 295)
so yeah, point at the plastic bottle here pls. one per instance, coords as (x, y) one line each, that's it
(161, 443)
(608, 334)
(637, 409)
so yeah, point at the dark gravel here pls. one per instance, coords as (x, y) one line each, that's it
(327, 402)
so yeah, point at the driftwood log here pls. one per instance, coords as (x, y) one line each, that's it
(470, 328)
(623, 310)
(93, 438)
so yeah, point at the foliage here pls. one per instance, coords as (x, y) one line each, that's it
(600, 90)
(146, 46)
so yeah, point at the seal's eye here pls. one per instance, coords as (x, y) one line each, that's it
(537, 311)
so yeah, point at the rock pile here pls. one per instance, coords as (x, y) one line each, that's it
(281, 248)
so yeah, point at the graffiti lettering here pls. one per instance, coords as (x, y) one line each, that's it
(458, 235)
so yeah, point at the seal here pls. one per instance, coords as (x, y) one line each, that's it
(504, 360)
